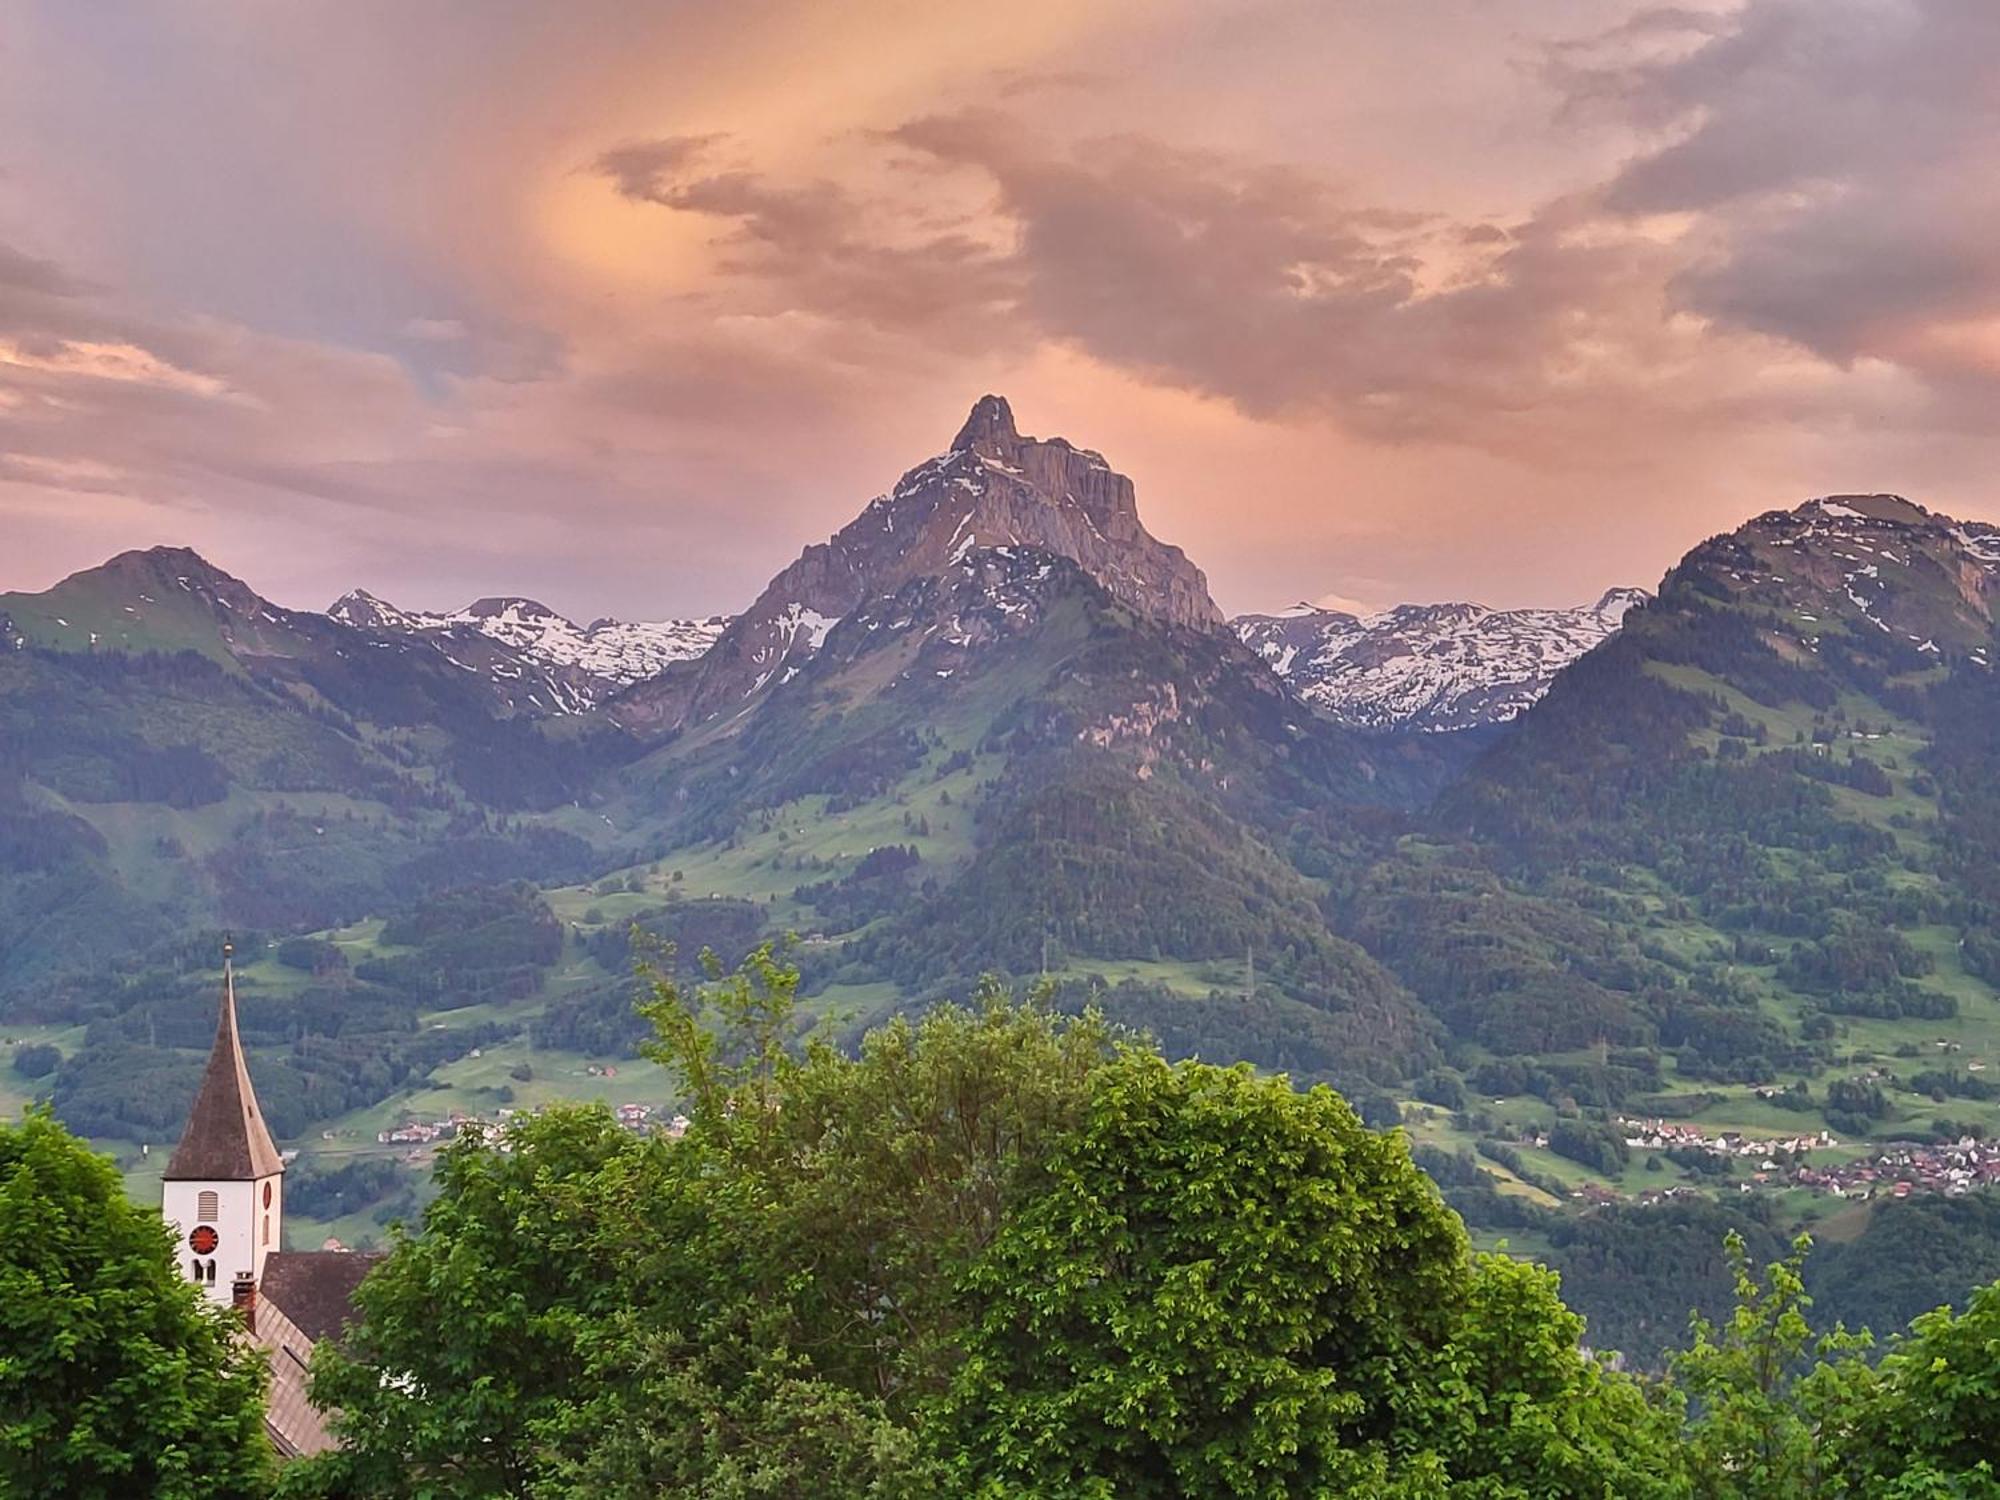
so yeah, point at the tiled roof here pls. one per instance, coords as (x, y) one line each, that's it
(295, 1426)
(316, 1287)
(225, 1139)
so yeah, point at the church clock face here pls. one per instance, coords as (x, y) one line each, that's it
(204, 1239)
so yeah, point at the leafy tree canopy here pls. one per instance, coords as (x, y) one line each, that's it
(116, 1378)
(999, 1251)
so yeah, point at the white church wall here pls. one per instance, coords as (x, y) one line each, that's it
(239, 1229)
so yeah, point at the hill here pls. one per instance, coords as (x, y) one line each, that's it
(177, 751)
(1734, 870)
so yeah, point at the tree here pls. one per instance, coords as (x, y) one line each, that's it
(37, 1060)
(1767, 1420)
(469, 1335)
(1223, 1286)
(116, 1376)
(999, 1251)
(838, 1198)
(1931, 1425)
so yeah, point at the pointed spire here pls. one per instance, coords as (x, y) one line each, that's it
(225, 1140)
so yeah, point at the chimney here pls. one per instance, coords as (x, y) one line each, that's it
(243, 1297)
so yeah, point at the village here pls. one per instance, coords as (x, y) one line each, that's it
(1950, 1168)
(639, 1118)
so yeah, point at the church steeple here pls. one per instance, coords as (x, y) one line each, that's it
(224, 1189)
(225, 1139)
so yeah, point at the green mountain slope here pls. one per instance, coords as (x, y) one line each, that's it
(1123, 786)
(1753, 835)
(174, 751)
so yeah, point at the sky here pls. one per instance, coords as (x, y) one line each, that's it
(620, 304)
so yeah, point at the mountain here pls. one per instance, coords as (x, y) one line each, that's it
(1429, 667)
(991, 488)
(176, 749)
(535, 660)
(1056, 779)
(1766, 806)
(1736, 869)
(1068, 759)
(164, 599)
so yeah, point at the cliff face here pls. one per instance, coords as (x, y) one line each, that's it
(991, 488)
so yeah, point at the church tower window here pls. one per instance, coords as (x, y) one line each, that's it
(207, 1208)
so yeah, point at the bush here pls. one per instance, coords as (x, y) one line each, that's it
(36, 1060)
(1596, 1145)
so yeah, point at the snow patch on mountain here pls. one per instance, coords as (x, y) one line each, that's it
(581, 664)
(1430, 667)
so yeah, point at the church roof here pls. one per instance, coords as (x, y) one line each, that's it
(225, 1139)
(316, 1287)
(296, 1428)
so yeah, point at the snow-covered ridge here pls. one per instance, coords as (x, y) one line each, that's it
(586, 663)
(1430, 667)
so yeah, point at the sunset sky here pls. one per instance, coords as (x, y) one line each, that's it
(619, 304)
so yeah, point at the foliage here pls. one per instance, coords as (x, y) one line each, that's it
(1636, 1274)
(1598, 1145)
(1227, 1287)
(116, 1376)
(36, 1060)
(1762, 1428)
(468, 1335)
(854, 1274)
(318, 1191)
(1931, 1425)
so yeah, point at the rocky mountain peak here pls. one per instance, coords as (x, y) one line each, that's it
(158, 571)
(993, 488)
(509, 608)
(989, 429)
(1874, 568)
(537, 661)
(1614, 604)
(364, 611)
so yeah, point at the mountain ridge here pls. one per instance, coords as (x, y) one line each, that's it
(1429, 667)
(538, 659)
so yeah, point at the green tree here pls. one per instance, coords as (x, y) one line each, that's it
(36, 1060)
(1931, 1425)
(1224, 1286)
(999, 1251)
(838, 1199)
(470, 1335)
(116, 1378)
(1771, 1399)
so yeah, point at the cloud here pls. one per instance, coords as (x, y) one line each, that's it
(1808, 193)
(1836, 160)
(21, 272)
(1501, 298)
(645, 170)
(820, 246)
(435, 330)
(1260, 283)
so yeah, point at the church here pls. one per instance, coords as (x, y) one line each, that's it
(224, 1197)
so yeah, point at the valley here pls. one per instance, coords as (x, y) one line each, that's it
(1716, 861)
